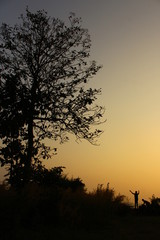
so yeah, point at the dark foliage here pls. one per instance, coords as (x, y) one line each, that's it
(44, 69)
(37, 206)
(150, 208)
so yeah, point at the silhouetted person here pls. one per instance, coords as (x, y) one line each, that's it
(145, 202)
(135, 198)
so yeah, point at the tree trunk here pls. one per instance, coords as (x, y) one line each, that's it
(28, 166)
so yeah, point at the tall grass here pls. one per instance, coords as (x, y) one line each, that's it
(41, 205)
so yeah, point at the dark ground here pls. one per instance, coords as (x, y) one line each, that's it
(119, 228)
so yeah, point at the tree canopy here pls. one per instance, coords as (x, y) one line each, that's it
(44, 71)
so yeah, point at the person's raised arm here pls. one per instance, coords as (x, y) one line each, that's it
(131, 191)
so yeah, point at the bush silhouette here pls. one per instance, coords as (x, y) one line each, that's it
(67, 205)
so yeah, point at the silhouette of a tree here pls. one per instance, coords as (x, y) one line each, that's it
(44, 69)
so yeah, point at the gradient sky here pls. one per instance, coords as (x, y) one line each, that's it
(125, 38)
